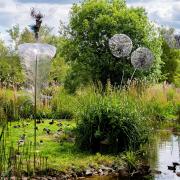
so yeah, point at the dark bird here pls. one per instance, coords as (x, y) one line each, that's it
(47, 130)
(59, 124)
(18, 126)
(38, 121)
(22, 137)
(175, 164)
(173, 168)
(59, 130)
(41, 141)
(21, 142)
(52, 122)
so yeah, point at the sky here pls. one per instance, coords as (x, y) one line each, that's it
(163, 12)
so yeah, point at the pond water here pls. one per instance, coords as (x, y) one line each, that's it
(165, 151)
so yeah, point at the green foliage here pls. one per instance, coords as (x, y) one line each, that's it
(15, 105)
(171, 60)
(92, 23)
(162, 103)
(10, 68)
(114, 120)
(63, 105)
(131, 160)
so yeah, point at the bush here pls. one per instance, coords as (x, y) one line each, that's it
(110, 123)
(161, 103)
(15, 105)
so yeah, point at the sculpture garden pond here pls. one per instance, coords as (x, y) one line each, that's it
(56, 152)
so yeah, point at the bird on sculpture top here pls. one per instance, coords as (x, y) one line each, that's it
(38, 17)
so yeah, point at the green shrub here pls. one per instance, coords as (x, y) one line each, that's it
(24, 106)
(110, 123)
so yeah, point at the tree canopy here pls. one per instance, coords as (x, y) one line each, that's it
(92, 24)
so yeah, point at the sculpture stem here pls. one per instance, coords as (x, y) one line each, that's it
(35, 110)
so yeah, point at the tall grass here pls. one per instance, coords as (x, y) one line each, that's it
(110, 122)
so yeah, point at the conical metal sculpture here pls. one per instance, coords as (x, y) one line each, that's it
(35, 59)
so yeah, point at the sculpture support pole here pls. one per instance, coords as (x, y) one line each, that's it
(35, 110)
(35, 102)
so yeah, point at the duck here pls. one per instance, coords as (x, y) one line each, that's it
(59, 124)
(22, 137)
(47, 130)
(175, 164)
(59, 130)
(172, 168)
(52, 122)
(38, 121)
(21, 142)
(18, 126)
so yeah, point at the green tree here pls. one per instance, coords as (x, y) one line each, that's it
(10, 68)
(92, 23)
(14, 33)
(170, 57)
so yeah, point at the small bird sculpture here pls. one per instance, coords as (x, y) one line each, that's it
(38, 18)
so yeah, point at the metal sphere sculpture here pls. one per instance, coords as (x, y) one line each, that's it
(142, 58)
(172, 40)
(177, 40)
(120, 45)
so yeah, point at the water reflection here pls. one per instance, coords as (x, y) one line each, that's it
(168, 151)
(165, 150)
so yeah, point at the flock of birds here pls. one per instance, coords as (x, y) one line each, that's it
(47, 130)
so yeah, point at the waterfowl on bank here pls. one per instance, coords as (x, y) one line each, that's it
(18, 126)
(47, 130)
(52, 122)
(22, 137)
(59, 124)
(21, 142)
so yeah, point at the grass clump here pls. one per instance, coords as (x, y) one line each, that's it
(111, 123)
(63, 105)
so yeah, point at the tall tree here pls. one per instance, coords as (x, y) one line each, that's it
(14, 33)
(92, 23)
(170, 57)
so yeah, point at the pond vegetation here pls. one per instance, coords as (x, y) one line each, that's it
(98, 115)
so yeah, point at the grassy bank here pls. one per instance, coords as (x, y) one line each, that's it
(92, 118)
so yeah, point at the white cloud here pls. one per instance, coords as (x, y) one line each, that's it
(165, 12)
(13, 12)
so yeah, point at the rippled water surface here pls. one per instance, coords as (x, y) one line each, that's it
(165, 151)
(168, 151)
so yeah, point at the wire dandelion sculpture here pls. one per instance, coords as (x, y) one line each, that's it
(142, 58)
(120, 45)
(172, 40)
(177, 40)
